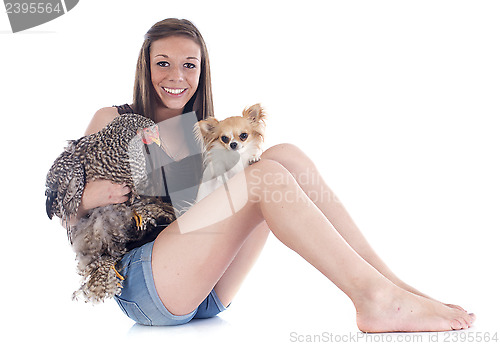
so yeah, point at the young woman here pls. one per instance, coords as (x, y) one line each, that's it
(195, 266)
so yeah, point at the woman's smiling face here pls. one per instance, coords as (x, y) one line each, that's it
(175, 70)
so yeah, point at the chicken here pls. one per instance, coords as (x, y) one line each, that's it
(117, 153)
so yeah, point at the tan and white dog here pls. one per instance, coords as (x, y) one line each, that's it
(230, 145)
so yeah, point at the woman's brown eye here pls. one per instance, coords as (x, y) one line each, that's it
(244, 136)
(225, 139)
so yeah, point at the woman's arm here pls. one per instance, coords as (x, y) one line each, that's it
(99, 193)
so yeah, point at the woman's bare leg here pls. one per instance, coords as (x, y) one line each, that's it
(306, 174)
(309, 179)
(232, 279)
(187, 262)
(303, 169)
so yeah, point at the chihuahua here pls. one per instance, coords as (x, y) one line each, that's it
(230, 145)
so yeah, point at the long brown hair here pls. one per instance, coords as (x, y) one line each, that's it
(144, 93)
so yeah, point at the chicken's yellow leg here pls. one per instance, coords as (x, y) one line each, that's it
(138, 219)
(116, 272)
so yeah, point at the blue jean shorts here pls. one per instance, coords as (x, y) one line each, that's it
(139, 299)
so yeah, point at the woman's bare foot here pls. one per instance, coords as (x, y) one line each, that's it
(394, 309)
(413, 290)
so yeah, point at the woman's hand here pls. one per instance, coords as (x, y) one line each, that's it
(99, 193)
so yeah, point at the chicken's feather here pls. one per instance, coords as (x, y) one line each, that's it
(100, 238)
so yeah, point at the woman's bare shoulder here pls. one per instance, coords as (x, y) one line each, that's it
(101, 118)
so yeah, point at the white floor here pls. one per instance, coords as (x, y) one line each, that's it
(284, 302)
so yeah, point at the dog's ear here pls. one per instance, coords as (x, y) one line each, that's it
(254, 113)
(208, 125)
(205, 129)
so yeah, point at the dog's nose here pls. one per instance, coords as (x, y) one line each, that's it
(233, 145)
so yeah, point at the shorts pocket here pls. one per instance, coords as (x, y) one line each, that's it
(132, 310)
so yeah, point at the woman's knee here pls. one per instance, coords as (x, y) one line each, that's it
(266, 172)
(282, 151)
(289, 156)
(268, 177)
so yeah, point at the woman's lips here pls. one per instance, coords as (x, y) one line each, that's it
(174, 91)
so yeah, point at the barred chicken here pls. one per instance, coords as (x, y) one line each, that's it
(117, 153)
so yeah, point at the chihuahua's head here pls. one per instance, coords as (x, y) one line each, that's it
(234, 133)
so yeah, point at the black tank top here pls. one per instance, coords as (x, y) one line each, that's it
(124, 109)
(183, 176)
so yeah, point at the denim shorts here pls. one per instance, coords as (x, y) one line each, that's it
(139, 299)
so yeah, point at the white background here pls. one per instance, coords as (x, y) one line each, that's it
(397, 102)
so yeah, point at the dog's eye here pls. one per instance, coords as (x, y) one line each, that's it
(244, 136)
(224, 139)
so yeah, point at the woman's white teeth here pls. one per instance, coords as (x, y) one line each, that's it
(173, 91)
